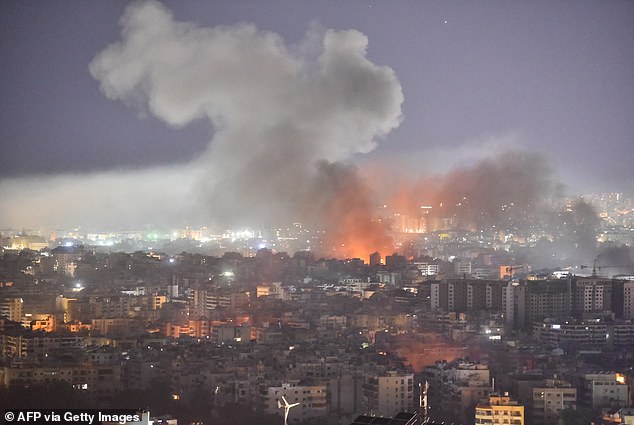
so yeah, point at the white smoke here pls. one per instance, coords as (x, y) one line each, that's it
(277, 113)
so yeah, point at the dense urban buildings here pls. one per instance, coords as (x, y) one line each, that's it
(201, 335)
(317, 212)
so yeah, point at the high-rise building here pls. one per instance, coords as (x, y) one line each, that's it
(462, 295)
(375, 259)
(628, 300)
(547, 298)
(514, 304)
(345, 393)
(591, 296)
(454, 388)
(390, 393)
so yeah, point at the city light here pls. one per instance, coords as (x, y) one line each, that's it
(317, 212)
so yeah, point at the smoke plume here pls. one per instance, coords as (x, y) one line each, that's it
(285, 122)
(506, 191)
(616, 259)
(345, 204)
(511, 192)
(581, 226)
(572, 236)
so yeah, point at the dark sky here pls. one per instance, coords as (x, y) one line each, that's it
(551, 76)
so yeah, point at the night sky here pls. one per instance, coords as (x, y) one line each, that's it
(476, 78)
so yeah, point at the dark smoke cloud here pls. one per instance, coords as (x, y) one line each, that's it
(510, 187)
(506, 190)
(511, 192)
(572, 239)
(615, 259)
(616, 256)
(581, 227)
(348, 206)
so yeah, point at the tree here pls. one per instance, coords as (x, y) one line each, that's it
(580, 416)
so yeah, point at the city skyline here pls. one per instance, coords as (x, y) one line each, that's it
(317, 212)
(464, 85)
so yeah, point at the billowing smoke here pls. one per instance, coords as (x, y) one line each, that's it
(288, 121)
(572, 236)
(615, 259)
(581, 227)
(505, 191)
(511, 193)
(616, 256)
(346, 205)
(285, 122)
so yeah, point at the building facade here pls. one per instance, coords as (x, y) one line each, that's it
(311, 398)
(550, 400)
(390, 393)
(499, 410)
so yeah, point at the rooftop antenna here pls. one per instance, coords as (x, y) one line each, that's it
(287, 407)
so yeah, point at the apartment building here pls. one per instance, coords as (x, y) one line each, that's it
(499, 410)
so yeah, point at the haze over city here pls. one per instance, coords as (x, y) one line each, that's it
(317, 212)
(119, 115)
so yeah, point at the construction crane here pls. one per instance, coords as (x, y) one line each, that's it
(596, 267)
